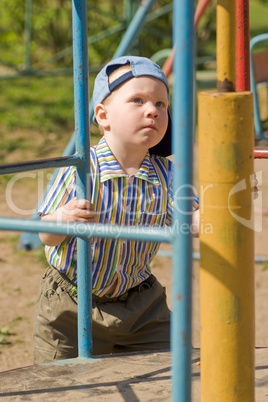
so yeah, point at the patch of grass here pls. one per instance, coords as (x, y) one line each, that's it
(39, 254)
(15, 321)
(8, 144)
(44, 104)
(5, 331)
(11, 239)
(4, 179)
(37, 118)
(265, 266)
(258, 17)
(17, 290)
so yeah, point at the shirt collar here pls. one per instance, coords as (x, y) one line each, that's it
(109, 168)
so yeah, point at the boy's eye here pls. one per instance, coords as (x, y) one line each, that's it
(159, 104)
(137, 100)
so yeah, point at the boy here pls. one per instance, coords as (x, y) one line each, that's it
(131, 184)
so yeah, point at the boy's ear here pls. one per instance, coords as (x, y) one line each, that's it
(101, 116)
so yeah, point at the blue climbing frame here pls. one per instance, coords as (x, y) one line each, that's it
(257, 121)
(31, 240)
(182, 147)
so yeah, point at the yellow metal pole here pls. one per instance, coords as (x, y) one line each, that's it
(226, 45)
(226, 129)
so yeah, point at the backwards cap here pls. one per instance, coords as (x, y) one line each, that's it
(140, 66)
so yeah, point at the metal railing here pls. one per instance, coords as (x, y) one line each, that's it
(182, 147)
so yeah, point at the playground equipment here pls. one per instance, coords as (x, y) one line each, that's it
(259, 83)
(181, 320)
(31, 240)
(242, 46)
(200, 10)
(227, 298)
(132, 13)
(227, 256)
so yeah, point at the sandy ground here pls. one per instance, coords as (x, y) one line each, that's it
(21, 271)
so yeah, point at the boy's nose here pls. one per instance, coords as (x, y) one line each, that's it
(151, 111)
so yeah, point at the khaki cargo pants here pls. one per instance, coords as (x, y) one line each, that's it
(137, 321)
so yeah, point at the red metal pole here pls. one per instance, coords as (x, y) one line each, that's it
(260, 153)
(242, 46)
(200, 9)
(168, 65)
(242, 53)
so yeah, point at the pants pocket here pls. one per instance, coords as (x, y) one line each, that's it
(55, 324)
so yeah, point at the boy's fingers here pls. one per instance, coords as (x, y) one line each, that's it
(85, 204)
(86, 210)
(79, 210)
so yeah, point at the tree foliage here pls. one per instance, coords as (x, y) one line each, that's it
(51, 31)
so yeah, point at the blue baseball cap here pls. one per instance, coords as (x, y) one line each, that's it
(140, 66)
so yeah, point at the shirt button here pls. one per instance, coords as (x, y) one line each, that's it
(131, 179)
(128, 208)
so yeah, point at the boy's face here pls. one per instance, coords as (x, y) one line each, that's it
(137, 114)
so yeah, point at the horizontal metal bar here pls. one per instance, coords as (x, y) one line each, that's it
(165, 253)
(68, 71)
(8, 168)
(156, 32)
(31, 72)
(257, 39)
(257, 259)
(91, 40)
(143, 233)
(196, 256)
(260, 153)
(107, 32)
(45, 73)
(159, 13)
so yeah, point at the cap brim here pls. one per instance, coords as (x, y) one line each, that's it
(164, 147)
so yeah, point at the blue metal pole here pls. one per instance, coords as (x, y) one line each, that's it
(183, 25)
(31, 240)
(257, 121)
(81, 106)
(155, 234)
(134, 28)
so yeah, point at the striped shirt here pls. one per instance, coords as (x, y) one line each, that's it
(143, 199)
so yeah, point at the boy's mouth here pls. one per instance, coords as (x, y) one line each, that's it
(150, 127)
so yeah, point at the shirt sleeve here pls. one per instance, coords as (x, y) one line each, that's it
(61, 192)
(195, 202)
(170, 203)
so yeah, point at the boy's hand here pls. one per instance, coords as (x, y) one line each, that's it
(77, 211)
(74, 211)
